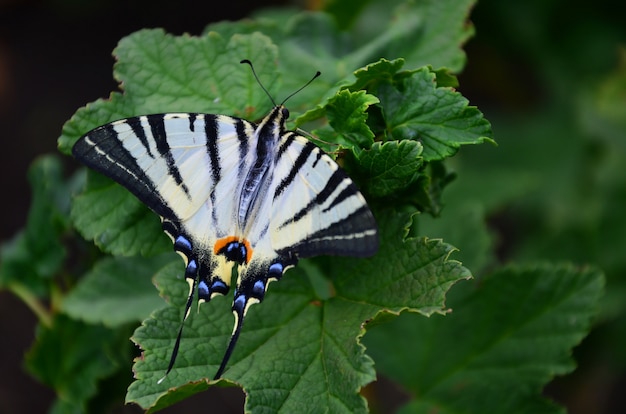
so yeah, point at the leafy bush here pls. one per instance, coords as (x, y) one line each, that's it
(386, 102)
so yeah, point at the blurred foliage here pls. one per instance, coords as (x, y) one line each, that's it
(551, 77)
(548, 201)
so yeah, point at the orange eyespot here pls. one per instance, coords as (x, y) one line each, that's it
(225, 244)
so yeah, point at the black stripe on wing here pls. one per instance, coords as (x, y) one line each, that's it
(157, 127)
(139, 131)
(211, 130)
(356, 235)
(334, 181)
(102, 151)
(297, 165)
(244, 145)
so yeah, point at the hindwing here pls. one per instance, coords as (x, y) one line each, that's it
(316, 208)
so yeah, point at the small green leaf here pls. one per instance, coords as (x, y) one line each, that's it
(347, 114)
(507, 337)
(440, 118)
(391, 167)
(370, 76)
(118, 290)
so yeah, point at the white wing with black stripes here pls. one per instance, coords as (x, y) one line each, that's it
(230, 192)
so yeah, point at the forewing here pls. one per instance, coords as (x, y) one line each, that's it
(171, 162)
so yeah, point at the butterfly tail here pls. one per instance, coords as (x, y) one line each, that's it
(191, 276)
(239, 309)
(251, 290)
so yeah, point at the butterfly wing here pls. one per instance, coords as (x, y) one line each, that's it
(171, 162)
(316, 208)
(186, 168)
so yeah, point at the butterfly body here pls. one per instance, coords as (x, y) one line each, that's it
(233, 194)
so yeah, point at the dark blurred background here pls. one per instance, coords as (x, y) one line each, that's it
(55, 56)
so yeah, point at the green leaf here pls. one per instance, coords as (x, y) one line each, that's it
(391, 167)
(116, 221)
(371, 76)
(462, 224)
(440, 118)
(164, 73)
(117, 291)
(507, 337)
(347, 114)
(71, 357)
(297, 351)
(429, 32)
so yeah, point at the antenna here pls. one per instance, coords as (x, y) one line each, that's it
(246, 61)
(318, 73)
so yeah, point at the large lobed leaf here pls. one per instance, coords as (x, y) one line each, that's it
(512, 334)
(298, 352)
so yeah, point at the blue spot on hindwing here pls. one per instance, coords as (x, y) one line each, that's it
(183, 245)
(203, 291)
(258, 289)
(192, 269)
(218, 286)
(239, 304)
(275, 271)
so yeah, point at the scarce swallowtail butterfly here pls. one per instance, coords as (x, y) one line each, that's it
(233, 193)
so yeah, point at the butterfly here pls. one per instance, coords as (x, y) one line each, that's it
(234, 195)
